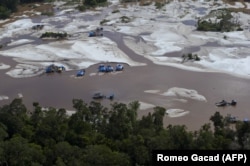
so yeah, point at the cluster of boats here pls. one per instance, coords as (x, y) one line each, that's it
(224, 103)
(233, 119)
(99, 95)
(54, 68)
(96, 32)
(102, 68)
(109, 68)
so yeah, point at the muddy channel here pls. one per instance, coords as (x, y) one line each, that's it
(58, 90)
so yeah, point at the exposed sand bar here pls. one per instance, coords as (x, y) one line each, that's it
(149, 46)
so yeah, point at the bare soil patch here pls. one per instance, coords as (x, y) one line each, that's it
(29, 10)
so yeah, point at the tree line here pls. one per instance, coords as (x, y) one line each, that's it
(9, 6)
(96, 135)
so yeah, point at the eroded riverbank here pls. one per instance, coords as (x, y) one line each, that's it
(143, 73)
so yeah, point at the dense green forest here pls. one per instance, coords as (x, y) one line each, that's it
(9, 6)
(96, 135)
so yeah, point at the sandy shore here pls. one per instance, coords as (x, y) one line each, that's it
(149, 46)
(58, 90)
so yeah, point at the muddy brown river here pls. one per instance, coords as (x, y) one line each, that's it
(58, 90)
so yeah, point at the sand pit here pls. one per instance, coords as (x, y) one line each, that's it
(180, 93)
(20, 95)
(186, 93)
(25, 70)
(173, 113)
(4, 66)
(80, 54)
(4, 98)
(151, 44)
(160, 32)
(145, 106)
(152, 91)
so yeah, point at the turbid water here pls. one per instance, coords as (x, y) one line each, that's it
(58, 90)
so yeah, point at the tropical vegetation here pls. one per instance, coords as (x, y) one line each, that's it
(220, 20)
(58, 35)
(190, 56)
(97, 135)
(7, 7)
